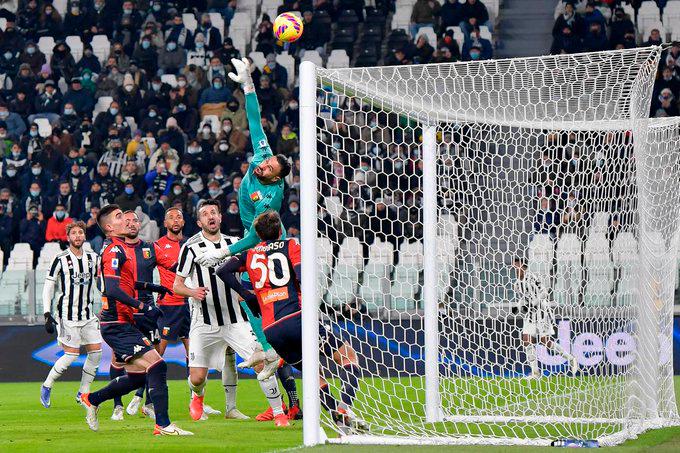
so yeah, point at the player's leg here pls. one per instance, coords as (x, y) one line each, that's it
(285, 375)
(230, 384)
(91, 337)
(557, 348)
(117, 370)
(528, 333)
(207, 346)
(270, 356)
(346, 357)
(59, 367)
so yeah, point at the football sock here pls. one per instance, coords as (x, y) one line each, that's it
(285, 374)
(115, 372)
(328, 401)
(230, 379)
(270, 387)
(118, 387)
(59, 367)
(350, 383)
(156, 376)
(531, 357)
(197, 389)
(90, 370)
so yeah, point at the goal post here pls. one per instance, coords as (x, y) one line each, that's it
(421, 187)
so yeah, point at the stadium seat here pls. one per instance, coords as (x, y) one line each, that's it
(132, 123)
(76, 45)
(647, 27)
(381, 252)
(568, 275)
(599, 223)
(218, 22)
(44, 127)
(212, 120)
(344, 285)
(624, 258)
(334, 207)
(541, 254)
(101, 47)
(46, 46)
(241, 24)
(429, 32)
(3, 23)
(170, 79)
(189, 21)
(396, 39)
(338, 59)
(367, 56)
(103, 103)
(313, 56)
(406, 281)
(375, 285)
(351, 253)
(259, 59)
(60, 6)
(401, 19)
(288, 62)
(599, 270)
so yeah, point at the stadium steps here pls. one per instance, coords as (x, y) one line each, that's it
(526, 29)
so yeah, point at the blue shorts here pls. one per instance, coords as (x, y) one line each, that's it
(148, 326)
(286, 338)
(174, 322)
(126, 341)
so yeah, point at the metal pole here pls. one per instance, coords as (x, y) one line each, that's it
(308, 229)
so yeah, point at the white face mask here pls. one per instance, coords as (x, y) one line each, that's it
(226, 129)
(177, 191)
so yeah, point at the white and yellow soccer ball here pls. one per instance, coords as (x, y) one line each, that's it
(288, 27)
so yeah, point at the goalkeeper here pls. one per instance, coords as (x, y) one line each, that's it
(261, 190)
(539, 323)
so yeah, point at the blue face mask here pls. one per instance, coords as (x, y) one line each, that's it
(213, 192)
(33, 133)
(146, 44)
(30, 50)
(217, 85)
(152, 114)
(199, 45)
(475, 55)
(113, 111)
(129, 190)
(68, 111)
(60, 215)
(35, 193)
(172, 46)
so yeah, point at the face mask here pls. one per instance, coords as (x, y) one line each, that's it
(8, 55)
(129, 88)
(34, 193)
(87, 76)
(152, 114)
(149, 200)
(12, 174)
(30, 50)
(4, 114)
(33, 133)
(194, 150)
(75, 10)
(217, 85)
(98, 6)
(156, 86)
(207, 131)
(16, 154)
(181, 83)
(146, 44)
(199, 45)
(214, 193)
(60, 215)
(172, 46)
(156, 7)
(233, 107)
(474, 55)
(33, 213)
(226, 129)
(68, 111)
(127, 11)
(224, 147)
(48, 12)
(177, 191)
(294, 210)
(113, 111)
(336, 145)
(293, 105)
(129, 190)
(36, 171)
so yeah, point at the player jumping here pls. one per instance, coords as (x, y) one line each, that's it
(539, 324)
(274, 268)
(73, 273)
(261, 189)
(131, 348)
(219, 326)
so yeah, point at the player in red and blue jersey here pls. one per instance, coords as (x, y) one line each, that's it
(274, 268)
(132, 350)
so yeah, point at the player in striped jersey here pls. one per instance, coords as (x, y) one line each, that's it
(219, 326)
(533, 305)
(72, 273)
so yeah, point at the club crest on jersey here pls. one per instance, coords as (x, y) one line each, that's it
(114, 263)
(256, 196)
(146, 253)
(166, 331)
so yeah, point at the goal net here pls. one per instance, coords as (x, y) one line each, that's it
(428, 187)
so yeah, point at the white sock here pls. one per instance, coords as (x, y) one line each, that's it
(555, 346)
(197, 389)
(90, 370)
(531, 357)
(270, 388)
(230, 380)
(59, 367)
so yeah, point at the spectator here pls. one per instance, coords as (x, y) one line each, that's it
(179, 194)
(49, 22)
(48, 104)
(568, 18)
(214, 98)
(278, 75)
(28, 19)
(178, 33)
(21, 104)
(314, 37)
(451, 14)
(6, 231)
(146, 56)
(106, 119)
(213, 37)
(291, 218)
(32, 229)
(78, 178)
(78, 21)
(114, 157)
(572, 215)
(72, 202)
(120, 59)
(443, 56)
(396, 58)
(88, 62)
(546, 220)
(592, 14)
(236, 114)
(595, 40)
(227, 51)
(667, 80)
(291, 116)
(10, 179)
(171, 58)
(474, 14)
(216, 69)
(664, 105)
(620, 24)
(231, 220)
(160, 179)
(174, 136)
(476, 47)
(129, 199)
(56, 225)
(82, 101)
(269, 98)
(16, 157)
(152, 207)
(566, 42)
(287, 143)
(62, 62)
(200, 56)
(424, 50)
(34, 197)
(190, 181)
(93, 234)
(654, 38)
(109, 185)
(129, 99)
(423, 15)
(14, 124)
(33, 57)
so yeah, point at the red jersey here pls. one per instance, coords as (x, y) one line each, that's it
(271, 268)
(118, 260)
(167, 255)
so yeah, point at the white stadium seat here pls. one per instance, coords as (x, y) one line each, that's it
(258, 59)
(338, 59)
(313, 56)
(600, 271)
(287, 62)
(101, 47)
(569, 271)
(430, 34)
(541, 254)
(624, 258)
(44, 127)
(189, 21)
(76, 45)
(170, 79)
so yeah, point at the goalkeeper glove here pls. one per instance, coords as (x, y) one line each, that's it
(242, 75)
(50, 323)
(212, 258)
(146, 286)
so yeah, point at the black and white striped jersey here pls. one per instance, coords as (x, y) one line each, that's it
(74, 278)
(532, 296)
(220, 306)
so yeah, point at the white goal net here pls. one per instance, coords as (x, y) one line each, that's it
(429, 187)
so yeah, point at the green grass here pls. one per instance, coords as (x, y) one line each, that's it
(26, 426)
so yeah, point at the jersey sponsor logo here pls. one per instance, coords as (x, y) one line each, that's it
(146, 253)
(275, 295)
(114, 263)
(256, 196)
(168, 246)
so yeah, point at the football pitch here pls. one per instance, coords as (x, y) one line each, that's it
(26, 426)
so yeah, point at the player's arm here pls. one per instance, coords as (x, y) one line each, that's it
(227, 272)
(111, 268)
(48, 294)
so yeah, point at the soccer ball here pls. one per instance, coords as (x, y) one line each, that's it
(288, 27)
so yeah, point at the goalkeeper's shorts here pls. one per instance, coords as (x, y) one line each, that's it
(285, 336)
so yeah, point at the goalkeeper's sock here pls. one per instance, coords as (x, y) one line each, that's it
(557, 348)
(531, 357)
(270, 387)
(230, 380)
(328, 401)
(116, 372)
(256, 325)
(197, 389)
(156, 376)
(59, 367)
(349, 375)
(118, 387)
(285, 374)
(90, 370)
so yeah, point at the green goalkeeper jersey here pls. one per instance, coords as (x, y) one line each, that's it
(254, 197)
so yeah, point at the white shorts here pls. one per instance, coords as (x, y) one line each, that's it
(208, 344)
(75, 334)
(542, 328)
